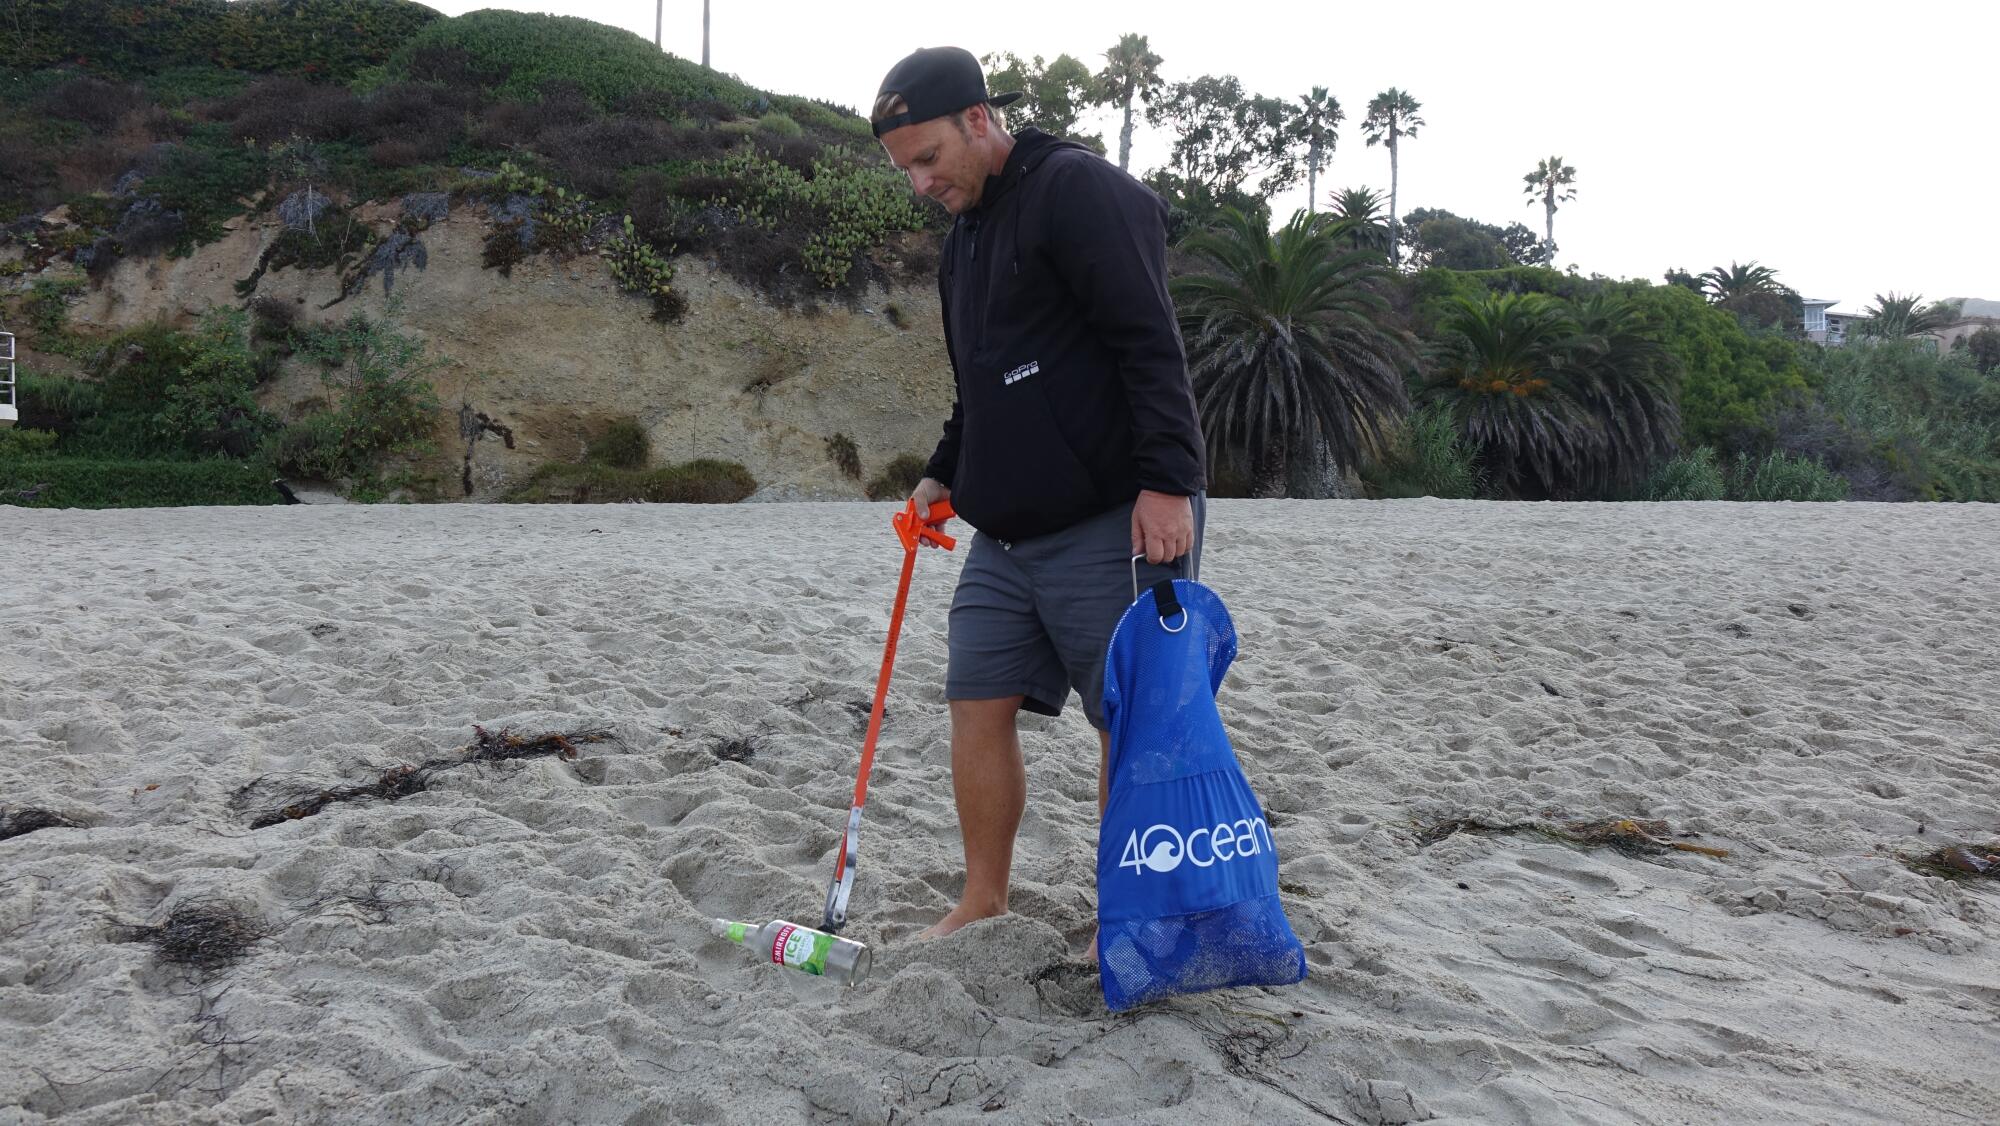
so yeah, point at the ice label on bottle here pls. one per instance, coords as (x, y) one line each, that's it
(801, 949)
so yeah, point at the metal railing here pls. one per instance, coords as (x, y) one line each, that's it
(9, 412)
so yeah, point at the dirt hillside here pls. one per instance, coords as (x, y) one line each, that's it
(556, 350)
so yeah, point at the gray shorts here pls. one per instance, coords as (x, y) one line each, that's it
(1033, 618)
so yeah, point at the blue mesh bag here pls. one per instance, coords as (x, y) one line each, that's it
(1187, 874)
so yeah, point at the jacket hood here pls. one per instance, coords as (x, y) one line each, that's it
(1031, 148)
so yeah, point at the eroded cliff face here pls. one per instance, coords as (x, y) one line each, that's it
(556, 349)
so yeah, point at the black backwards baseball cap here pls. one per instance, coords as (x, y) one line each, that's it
(933, 82)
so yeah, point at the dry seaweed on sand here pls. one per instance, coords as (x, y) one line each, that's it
(742, 748)
(1430, 833)
(862, 710)
(488, 746)
(392, 784)
(1628, 835)
(400, 781)
(204, 933)
(29, 819)
(1957, 862)
(1639, 838)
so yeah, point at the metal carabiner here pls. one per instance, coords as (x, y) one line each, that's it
(1135, 596)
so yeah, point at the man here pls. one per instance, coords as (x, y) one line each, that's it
(1073, 444)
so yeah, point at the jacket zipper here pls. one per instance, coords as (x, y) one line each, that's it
(979, 288)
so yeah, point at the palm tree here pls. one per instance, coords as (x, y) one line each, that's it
(1894, 317)
(1629, 380)
(1288, 346)
(1360, 211)
(1499, 372)
(1726, 284)
(1392, 115)
(1559, 401)
(1131, 74)
(1753, 293)
(1551, 180)
(1315, 123)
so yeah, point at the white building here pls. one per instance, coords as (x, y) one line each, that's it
(1825, 327)
(1973, 315)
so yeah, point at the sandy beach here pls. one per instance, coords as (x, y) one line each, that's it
(1813, 688)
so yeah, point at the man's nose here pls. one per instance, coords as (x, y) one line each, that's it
(920, 182)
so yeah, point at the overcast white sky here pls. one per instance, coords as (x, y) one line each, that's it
(1854, 147)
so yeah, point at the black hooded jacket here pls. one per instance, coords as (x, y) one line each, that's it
(1072, 385)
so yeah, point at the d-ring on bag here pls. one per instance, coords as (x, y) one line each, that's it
(1187, 872)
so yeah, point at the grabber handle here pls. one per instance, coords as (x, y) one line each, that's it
(913, 531)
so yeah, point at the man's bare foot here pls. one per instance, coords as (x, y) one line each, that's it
(960, 915)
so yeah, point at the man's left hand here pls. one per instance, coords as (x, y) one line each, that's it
(1162, 526)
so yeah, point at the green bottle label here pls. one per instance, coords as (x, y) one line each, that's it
(738, 932)
(802, 949)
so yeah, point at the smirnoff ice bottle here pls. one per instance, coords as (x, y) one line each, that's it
(803, 949)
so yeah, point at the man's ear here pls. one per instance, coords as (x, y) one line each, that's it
(978, 121)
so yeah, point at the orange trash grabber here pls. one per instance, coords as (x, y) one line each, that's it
(913, 532)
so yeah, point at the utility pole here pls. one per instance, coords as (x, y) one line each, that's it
(704, 32)
(659, 21)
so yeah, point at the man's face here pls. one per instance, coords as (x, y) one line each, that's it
(944, 158)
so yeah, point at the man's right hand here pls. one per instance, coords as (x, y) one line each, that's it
(928, 492)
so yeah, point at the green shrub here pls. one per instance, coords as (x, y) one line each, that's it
(824, 117)
(779, 125)
(1984, 348)
(21, 442)
(622, 445)
(845, 454)
(202, 178)
(1779, 477)
(1690, 476)
(77, 482)
(1427, 457)
(333, 240)
(847, 205)
(1730, 379)
(132, 38)
(564, 222)
(1898, 421)
(898, 478)
(695, 482)
(47, 304)
(159, 393)
(56, 403)
(503, 250)
(381, 402)
(331, 39)
(1956, 477)
(176, 86)
(210, 406)
(521, 56)
(640, 269)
